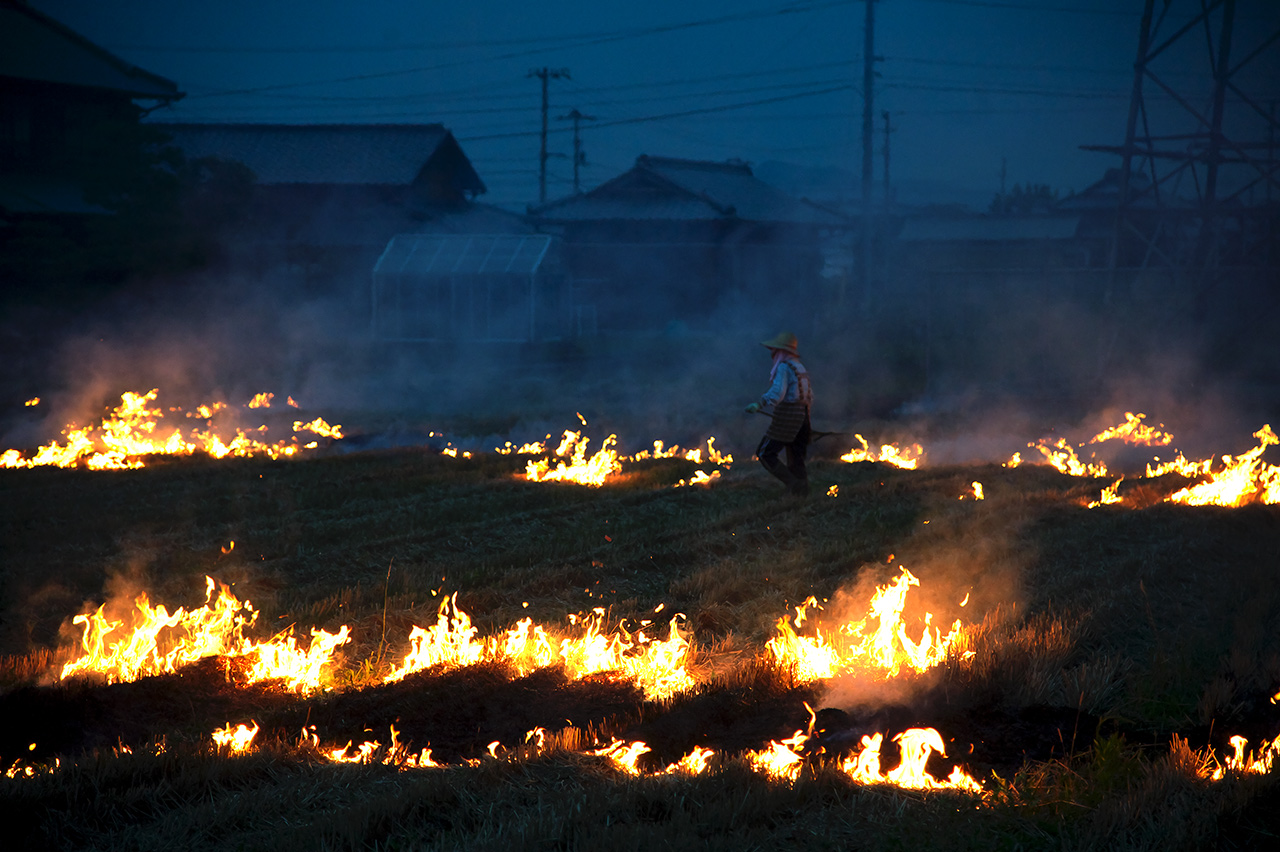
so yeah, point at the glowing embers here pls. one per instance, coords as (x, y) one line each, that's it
(908, 457)
(370, 751)
(157, 642)
(877, 646)
(132, 431)
(658, 667)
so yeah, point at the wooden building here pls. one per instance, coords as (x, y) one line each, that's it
(328, 197)
(672, 240)
(58, 90)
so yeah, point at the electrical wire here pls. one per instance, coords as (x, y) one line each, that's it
(588, 42)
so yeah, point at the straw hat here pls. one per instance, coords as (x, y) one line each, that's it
(786, 341)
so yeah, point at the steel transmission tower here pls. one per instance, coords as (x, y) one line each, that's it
(1199, 180)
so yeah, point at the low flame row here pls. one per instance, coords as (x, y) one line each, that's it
(878, 645)
(781, 760)
(131, 431)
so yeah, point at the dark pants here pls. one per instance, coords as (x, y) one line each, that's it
(793, 474)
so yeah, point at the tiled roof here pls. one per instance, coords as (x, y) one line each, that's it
(36, 48)
(378, 154)
(673, 189)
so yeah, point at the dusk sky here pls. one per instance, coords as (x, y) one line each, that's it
(966, 82)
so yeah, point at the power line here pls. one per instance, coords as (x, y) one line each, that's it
(1024, 7)
(737, 75)
(1000, 90)
(603, 39)
(526, 109)
(775, 87)
(470, 94)
(632, 32)
(1010, 66)
(671, 115)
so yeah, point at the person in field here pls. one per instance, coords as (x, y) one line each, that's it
(788, 401)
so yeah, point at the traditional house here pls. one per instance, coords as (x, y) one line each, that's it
(672, 240)
(56, 89)
(329, 197)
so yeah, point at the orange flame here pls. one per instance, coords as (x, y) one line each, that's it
(131, 431)
(572, 464)
(1110, 495)
(880, 651)
(1062, 456)
(693, 763)
(623, 755)
(656, 666)
(780, 760)
(1241, 480)
(700, 477)
(215, 629)
(529, 449)
(1247, 763)
(237, 740)
(319, 427)
(916, 745)
(908, 457)
(1134, 431)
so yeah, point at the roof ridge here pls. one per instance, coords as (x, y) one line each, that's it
(731, 165)
(267, 125)
(123, 66)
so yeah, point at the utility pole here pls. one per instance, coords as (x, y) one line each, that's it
(888, 192)
(868, 144)
(545, 74)
(579, 158)
(1271, 145)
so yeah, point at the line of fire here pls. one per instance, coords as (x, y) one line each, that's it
(342, 509)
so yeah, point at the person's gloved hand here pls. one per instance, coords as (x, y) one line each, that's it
(753, 408)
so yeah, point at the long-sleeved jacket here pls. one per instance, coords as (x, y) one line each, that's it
(790, 384)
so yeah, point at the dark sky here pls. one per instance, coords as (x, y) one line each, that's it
(967, 83)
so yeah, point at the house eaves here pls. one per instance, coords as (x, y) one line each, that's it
(35, 48)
